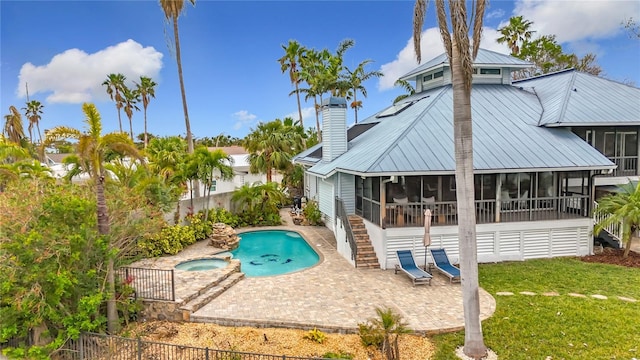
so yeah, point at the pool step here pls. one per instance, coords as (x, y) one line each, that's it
(233, 267)
(211, 293)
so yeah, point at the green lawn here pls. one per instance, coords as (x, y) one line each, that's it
(562, 327)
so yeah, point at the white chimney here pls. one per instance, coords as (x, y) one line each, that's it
(334, 128)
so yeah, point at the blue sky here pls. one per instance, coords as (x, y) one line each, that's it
(64, 50)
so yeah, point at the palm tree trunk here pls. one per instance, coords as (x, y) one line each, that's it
(145, 128)
(462, 124)
(39, 133)
(355, 109)
(182, 91)
(299, 108)
(103, 229)
(130, 128)
(315, 108)
(119, 118)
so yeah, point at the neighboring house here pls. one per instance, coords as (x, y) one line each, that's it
(60, 170)
(534, 172)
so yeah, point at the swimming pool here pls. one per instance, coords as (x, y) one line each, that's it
(273, 252)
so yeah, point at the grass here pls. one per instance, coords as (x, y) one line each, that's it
(559, 327)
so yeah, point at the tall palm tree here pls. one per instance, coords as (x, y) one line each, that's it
(131, 98)
(355, 79)
(115, 84)
(621, 207)
(33, 112)
(312, 68)
(147, 90)
(92, 151)
(334, 67)
(172, 10)
(290, 61)
(516, 33)
(270, 147)
(461, 57)
(13, 128)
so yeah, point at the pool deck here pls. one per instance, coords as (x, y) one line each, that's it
(334, 296)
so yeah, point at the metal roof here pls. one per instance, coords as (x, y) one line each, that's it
(485, 57)
(572, 98)
(506, 136)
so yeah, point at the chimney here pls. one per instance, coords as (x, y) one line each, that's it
(334, 128)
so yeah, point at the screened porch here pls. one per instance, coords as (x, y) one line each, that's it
(400, 201)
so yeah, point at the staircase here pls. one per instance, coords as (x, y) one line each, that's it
(366, 256)
(199, 299)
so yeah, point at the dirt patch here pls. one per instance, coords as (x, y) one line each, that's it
(288, 342)
(614, 257)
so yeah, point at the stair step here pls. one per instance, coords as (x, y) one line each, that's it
(212, 293)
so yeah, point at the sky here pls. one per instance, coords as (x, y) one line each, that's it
(64, 50)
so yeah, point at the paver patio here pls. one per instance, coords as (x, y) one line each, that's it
(336, 297)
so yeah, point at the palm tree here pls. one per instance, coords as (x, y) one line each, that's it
(92, 151)
(172, 10)
(312, 67)
(408, 88)
(211, 165)
(621, 207)
(293, 55)
(147, 90)
(115, 84)
(516, 33)
(270, 147)
(13, 128)
(390, 326)
(131, 98)
(355, 79)
(33, 112)
(461, 57)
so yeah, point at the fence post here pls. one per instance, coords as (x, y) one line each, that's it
(139, 348)
(81, 346)
(173, 286)
(206, 353)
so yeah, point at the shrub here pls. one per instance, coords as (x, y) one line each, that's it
(369, 336)
(222, 215)
(341, 355)
(201, 228)
(170, 241)
(315, 335)
(312, 213)
(383, 332)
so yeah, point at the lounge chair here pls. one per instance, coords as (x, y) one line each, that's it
(408, 266)
(442, 264)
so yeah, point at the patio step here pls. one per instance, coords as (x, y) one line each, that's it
(366, 255)
(210, 294)
(233, 268)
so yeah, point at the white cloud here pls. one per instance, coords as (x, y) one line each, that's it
(74, 76)
(577, 20)
(497, 14)
(431, 44)
(308, 117)
(243, 118)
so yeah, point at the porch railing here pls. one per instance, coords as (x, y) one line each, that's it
(341, 214)
(615, 229)
(489, 211)
(627, 166)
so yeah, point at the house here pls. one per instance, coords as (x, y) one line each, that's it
(535, 167)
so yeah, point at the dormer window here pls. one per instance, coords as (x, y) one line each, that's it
(438, 74)
(427, 78)
(490, 71)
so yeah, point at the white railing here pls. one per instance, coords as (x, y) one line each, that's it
(615, 229)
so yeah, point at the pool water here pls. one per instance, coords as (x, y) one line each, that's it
(202, 264)
(273, 252)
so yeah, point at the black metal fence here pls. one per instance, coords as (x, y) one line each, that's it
(149, 284)
(91, 346)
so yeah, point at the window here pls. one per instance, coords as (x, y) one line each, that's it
(397, 108)
(214, 185)
(438, 74)
(427, 77)
(490, 71)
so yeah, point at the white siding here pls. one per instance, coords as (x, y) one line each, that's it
(311, 186)
(342, 244)
(326, 201)
(496, 242)
(347, 192)
(334, 128)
